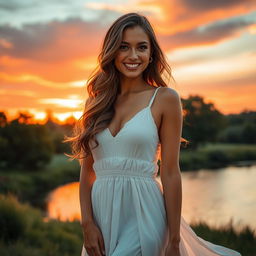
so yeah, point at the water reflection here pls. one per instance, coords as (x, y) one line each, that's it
(216, 197)
(212, 196)
(63, 202)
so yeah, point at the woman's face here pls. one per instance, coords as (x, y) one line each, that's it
(134, 52)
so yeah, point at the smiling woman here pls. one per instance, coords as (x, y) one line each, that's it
(131, 119)
(133, 48)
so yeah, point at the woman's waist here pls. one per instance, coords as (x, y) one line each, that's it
(125, 173)
(123, 164)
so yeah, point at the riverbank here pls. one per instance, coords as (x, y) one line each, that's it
(24, 231)
(213, 156)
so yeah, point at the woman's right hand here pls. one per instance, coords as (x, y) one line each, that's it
(93, 239)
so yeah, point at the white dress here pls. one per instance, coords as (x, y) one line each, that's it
(127, 200)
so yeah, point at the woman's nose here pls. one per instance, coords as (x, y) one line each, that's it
(133, 53)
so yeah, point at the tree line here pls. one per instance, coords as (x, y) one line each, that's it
(31, 146)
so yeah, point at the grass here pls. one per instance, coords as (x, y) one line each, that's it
(242, 241)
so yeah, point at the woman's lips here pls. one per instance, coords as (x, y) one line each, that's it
(131, 66)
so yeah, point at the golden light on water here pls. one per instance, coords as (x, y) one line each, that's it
(63, 203)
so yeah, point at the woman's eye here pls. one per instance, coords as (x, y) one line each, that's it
(122, 47)
(144, 47)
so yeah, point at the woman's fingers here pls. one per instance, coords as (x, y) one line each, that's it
(102, 247)
(97, 250)
(93, 240)
(94, 251)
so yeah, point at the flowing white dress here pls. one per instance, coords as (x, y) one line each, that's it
(127, 200)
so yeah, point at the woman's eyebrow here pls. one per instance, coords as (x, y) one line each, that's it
(143, 42)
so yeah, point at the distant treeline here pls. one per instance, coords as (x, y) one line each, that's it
(27, 145)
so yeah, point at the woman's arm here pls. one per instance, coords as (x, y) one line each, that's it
(170, 134)
(87, 178)
(93, 239)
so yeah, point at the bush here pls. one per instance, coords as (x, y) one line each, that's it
(24, 232)
(217, 159)
(14, 218)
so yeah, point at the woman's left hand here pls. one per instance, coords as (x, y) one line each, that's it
(172, 250)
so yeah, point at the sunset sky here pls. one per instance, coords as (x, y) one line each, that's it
(48, 49)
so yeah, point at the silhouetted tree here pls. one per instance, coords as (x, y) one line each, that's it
(202, 121)
(3, 119)
(24, 117)
(25, 145)
(240, 128)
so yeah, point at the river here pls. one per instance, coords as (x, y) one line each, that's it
(214, 196)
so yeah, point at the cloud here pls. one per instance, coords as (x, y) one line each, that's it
(12, 6)
(59, 52)
(207, 34)
(178, 16)
(54, 41)
(74, 38)
(202, 5)
(56, 51)
(31, 95)
(38, 90)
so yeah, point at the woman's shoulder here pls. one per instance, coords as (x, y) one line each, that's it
(169, 101)
(168, 95)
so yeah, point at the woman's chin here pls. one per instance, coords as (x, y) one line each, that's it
(131, 74)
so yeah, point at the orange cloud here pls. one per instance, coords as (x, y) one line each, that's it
(182, 15)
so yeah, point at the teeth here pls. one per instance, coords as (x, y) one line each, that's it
(131, 65)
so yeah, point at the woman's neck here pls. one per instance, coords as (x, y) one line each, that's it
(128, 85)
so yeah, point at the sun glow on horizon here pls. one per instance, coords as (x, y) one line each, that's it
(67, 103)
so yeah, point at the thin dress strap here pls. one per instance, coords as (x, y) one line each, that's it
(152, 98)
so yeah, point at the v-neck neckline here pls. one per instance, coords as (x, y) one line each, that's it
(126, 122)
(133, 117)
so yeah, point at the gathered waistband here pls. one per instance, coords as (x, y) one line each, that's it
(127, 173)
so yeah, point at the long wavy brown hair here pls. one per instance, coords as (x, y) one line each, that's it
(103, 84)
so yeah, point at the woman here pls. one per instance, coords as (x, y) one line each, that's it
(131, 119)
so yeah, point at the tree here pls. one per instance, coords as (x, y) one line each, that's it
(3, 119)
(202, 121)
(25, 146)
